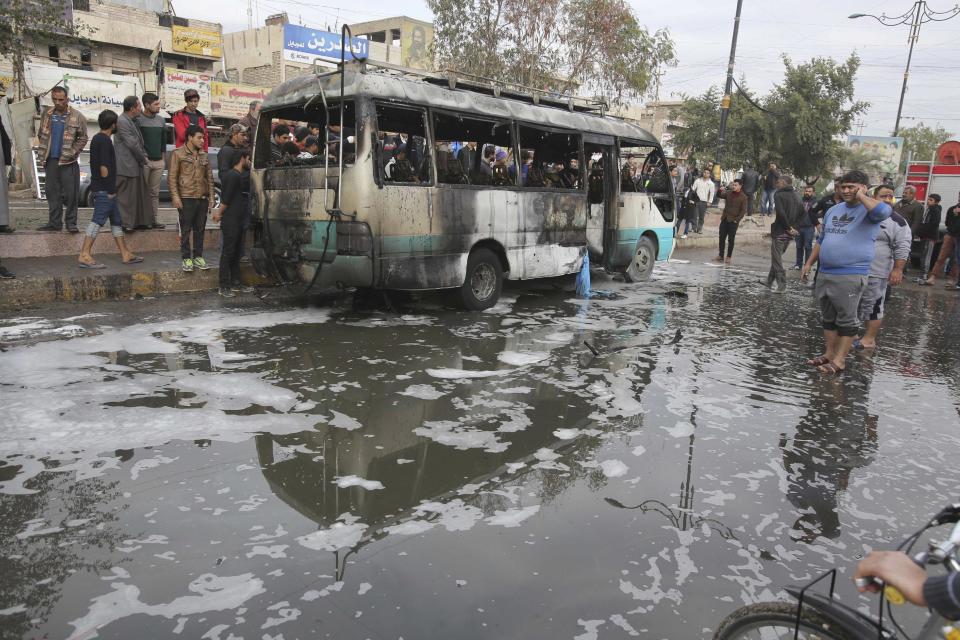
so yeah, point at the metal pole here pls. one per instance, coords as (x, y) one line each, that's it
(914, 35)
(725, 105)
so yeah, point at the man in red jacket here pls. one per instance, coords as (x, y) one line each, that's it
(189, 116)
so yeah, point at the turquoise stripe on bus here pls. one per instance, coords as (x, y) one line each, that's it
(628, 238)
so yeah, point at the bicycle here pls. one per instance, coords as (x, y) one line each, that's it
(819, 617)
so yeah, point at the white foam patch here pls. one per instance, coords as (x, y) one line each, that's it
(9, 611)
(522, 358)
(410, 528)
(567, 434)
(458, 436)
(340, 535)
(614, 468)
(213, 593)
(512, 517)
(680, 430)
(455, 515)
(639, 450)
(345, 422)
(591, 628)
(423, 392)
(356, 481)
(364, 588)
(235, 391)
(149, 463)
(463, 374)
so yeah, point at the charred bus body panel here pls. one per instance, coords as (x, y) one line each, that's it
(451, 188)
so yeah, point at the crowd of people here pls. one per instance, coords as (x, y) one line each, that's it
(127, 159)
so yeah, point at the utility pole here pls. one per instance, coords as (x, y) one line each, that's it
(918, 14)
(249, 14)
(725, 105)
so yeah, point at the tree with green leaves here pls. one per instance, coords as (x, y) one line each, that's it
(920, 142)
(746, 129)
(813, 106)
(28, 21)
(797, 125)
(597, 47)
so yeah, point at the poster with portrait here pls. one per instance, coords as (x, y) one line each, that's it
(416, 44)
(177, 81)
(885, 149)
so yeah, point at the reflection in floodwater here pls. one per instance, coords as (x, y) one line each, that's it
(311, 472)
(835, 436)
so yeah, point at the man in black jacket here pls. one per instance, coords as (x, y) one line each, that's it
(5, 150)
(788, 211)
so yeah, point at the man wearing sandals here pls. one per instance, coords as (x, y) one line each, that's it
(845, 249)
(103, 186)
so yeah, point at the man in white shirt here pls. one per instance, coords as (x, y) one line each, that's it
(705, 190)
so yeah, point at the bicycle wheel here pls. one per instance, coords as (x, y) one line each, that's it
(776, 621)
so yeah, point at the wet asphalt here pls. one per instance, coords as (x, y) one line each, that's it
(187, 467)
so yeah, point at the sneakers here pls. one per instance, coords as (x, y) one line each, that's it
(6, 275)
(226, 293)
(797, 267)
(683, 237)
(201, 264)
(187, 265)
(241, 288)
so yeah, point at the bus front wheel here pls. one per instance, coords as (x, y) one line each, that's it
(641, 265)
(483, 282)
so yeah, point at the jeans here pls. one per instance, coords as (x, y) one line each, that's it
(728, 233)
(750, 202)
(63, 190)
(956, 259)
(701, 214)
(105, 208)
(153, 174)
(928, 246)
(231, 230)
(193, 221)
(777, 274)
(766, 205)
(804, 243)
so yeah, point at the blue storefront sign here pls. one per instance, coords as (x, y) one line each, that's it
(303, 44)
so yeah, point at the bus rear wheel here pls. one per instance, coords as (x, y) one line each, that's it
(483, 282)
(641, 265)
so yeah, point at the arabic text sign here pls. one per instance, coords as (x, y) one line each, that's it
(177, 81)
(302, 44)
(233, 100)
(200, 42)
(90, 92)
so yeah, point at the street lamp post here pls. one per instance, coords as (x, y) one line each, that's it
(918, 14)
(725, 105)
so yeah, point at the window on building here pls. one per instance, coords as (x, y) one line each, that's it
(53, 51)
(283, 137)
(81, 5)
(86, 59)
(403, 152)
(471, 150)
(551, 159)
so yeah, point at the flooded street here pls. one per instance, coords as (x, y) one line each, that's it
(189, 468)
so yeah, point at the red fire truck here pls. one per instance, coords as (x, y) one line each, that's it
(941, 175)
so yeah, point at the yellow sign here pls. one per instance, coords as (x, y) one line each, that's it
(200, 42)
(233, 100)
(6, 84)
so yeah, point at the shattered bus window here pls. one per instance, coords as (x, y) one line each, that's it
(402, 145)
(551, 159)
(470, 148)
(643, 169)
(279, 129)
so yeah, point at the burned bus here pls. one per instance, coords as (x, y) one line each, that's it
(432, 181)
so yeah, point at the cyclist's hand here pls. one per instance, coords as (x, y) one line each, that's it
(896, 569)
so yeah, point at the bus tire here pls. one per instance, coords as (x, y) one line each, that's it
(641, 264)
(483, 282)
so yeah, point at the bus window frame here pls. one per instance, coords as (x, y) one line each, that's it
(580, 159)
(265, 133)
(513, 145)
(379, 177)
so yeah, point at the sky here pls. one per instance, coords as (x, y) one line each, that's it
(702, 29)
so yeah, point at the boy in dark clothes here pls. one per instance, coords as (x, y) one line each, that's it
(234, 204)
(929, 231)
(103, 186)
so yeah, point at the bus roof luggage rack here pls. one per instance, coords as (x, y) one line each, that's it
(498, 88)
